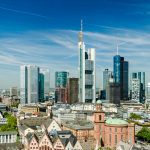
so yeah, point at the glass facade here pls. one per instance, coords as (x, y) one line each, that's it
(29, 84)
(121, 75)
(61, 79)
(41, 87)
(33, 72)
(23, 84)
(117, 69)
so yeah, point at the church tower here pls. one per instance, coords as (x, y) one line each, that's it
(99, 124)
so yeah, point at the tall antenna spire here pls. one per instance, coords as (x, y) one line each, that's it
(80, 33)
(117, 48)
(81, 25)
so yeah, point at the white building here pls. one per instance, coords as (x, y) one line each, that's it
(8, 137)
(29, 84)
(135, 83)
(86, 72)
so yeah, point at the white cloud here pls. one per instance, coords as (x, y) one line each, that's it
(58, 49)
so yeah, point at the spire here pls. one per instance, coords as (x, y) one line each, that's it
(81, 25)
(117, 48)
(81, 33)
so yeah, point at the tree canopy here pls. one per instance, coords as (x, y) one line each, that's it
(144, 134)
(11, 123)
(134, 116)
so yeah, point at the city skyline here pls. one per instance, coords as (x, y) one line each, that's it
(45, 34)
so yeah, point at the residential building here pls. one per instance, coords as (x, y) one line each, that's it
(86, 72)
(8, 137)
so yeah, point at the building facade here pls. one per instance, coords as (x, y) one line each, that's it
(121, 75)
(61, 78)
(29, 76)
(72, 90)
(110, 132)
(46, 74)
(86, 72)
(135, 85)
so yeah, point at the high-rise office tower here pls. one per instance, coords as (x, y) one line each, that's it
(141, 77)
(72, 90)
(23, 84)
(106, 76)
(61, 78)
(46, 74)
(86, 72)
(135, 84)
(33, 75)
(41, 87)
(121, 75)
(29, 84)
(113, 91)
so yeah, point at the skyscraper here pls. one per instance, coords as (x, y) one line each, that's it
(135, 84)
(23, 84)
(86, 72)
(72, 90)
(141, 79)
(46, 75)
(29, 84)
(106, 76)
(33, 72)
(41, 87)
(121, 75)
(61, 79)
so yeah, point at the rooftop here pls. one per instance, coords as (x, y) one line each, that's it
(116, 121)
(78, 124)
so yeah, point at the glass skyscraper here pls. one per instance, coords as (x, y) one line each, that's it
(61, 79)
(29, 84)
(86, 72)
(121, 75)
(46, 80)
(23, 84)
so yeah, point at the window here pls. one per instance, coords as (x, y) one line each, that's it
(99, 117)
(110, 129)
(121, 137)
(115, 129)
(110, 138)
(115, 139)
(121, 129)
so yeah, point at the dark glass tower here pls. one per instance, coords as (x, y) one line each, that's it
(121, 75)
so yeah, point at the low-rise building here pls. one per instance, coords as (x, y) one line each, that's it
(8, 137)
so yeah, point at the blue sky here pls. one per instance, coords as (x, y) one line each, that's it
(45, 33)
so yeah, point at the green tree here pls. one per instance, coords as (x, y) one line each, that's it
(135, 116)
(144, 134)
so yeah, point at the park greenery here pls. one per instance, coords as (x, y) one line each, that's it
(144, 134)
(135, 117)
(11, 123)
